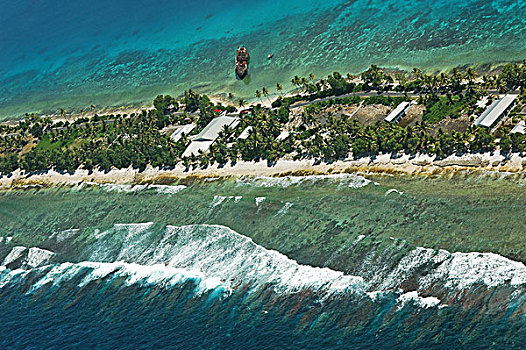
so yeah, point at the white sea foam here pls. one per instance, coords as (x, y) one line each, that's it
(162, 189)
(168, 189)
(411, 262)
(285, 209)
(56, 276)
(64, 235)
(349, 180)
(217, 201)
(134, 229)
(260, 200)
(392, 190)
(454, 270)
(221, 253)
(14, 254)
(158, 275)
(215, 256)
(218, 257)
(416, 299)
(98, 234)
(98, 271)
(37, 257)
(218, 252)
(12, 276)
(121, 188)
(463, 270)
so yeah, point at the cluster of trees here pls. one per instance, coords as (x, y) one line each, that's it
(309, 90)
(261, 143)
(339, 137)
(512, 77)
(38, 144)
(107, 141)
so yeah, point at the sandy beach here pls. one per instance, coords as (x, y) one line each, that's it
(422, 165)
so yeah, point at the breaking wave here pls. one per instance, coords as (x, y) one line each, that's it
(217, 258)
(162, 189)
(214, 257)
(348, 180)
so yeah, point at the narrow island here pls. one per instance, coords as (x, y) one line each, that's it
(378, 121)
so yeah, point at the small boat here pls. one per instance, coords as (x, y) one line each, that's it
(270, 55)
(241, 66)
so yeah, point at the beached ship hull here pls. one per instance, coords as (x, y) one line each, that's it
(241, 63)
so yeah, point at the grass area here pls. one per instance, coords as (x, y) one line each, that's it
(45, 143)
(437, 111)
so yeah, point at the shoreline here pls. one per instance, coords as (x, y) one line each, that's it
(419, 165)
(219, 95)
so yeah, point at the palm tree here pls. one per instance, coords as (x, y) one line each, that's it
(296, 81)
(227, 131)
(418, 73)
(258, 94)
(92, 107)
(422, 127)
(312, 76)
(230, 96)
(242, 102)
(304, 83)
(470, 75)
(265, 92)
(279, 87)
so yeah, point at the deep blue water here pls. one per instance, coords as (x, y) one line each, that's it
(56, 54)
(107, 314)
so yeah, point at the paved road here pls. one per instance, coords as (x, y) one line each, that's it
(360, 94)
(376, 93)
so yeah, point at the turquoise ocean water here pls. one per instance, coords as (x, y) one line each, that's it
(56, 54)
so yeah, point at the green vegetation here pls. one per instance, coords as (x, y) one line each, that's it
(440, 108)
(316, 132)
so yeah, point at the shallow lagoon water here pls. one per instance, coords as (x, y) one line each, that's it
(70, 55)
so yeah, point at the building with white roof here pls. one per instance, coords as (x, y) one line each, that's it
(495, 111)
(212, 130)
(398, 112)
(209, 134)
(244, 135)
(185, 129)
(195, 146)
(519, 128)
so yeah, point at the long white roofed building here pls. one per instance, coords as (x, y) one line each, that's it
(398, 112)
(519, 128)
(183, 130)
(495, 111)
